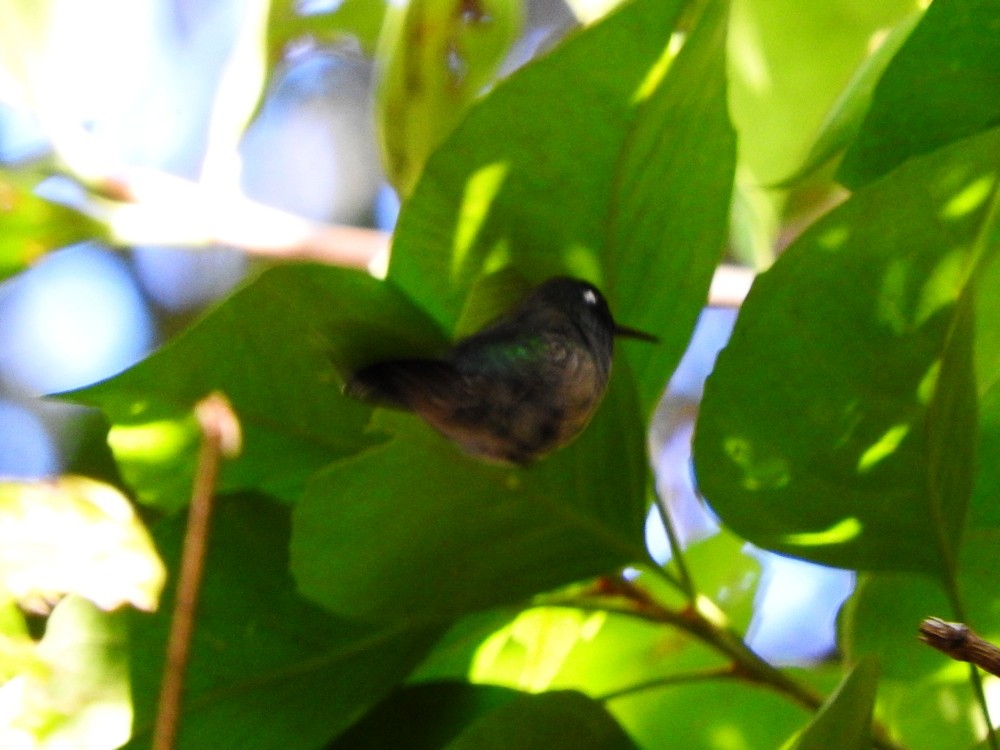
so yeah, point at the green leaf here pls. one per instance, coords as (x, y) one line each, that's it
(939, 88)
(76, 692)
(74, 535)
(854, 445)
(279, 349)
(435, 57)
(670, 203)
(527, 179)
(844, 721)
(548, 721)
(844, 121)
(881, 616)
(632, 190)
(267, 668)
(985, 511)
(423, 531)
(31, 226)
(707, 715)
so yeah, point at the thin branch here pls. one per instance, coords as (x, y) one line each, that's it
(147, 207)
(220, 439)
(704, 675)
(676, 549)
(961, 643)
(627, 598)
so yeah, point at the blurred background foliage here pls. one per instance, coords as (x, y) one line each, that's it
(366, 585)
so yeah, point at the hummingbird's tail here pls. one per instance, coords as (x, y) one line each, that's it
(401, 383)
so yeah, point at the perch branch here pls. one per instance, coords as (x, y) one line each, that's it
(961, 643)
(220, 439)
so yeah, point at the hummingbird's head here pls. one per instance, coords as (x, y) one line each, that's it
(584, 303)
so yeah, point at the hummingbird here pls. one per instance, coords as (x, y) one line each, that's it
(519, 389)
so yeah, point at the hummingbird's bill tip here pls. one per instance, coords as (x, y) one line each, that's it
(633, 333)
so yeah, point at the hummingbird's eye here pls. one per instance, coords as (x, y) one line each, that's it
(590, 297)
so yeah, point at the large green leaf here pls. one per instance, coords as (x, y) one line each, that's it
(940, 87)
(839, 424)
(670, 205)
(279, 349)
(630, 189)
(414, 528)
(267, 669)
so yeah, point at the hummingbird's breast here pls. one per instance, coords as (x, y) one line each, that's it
(519, 414)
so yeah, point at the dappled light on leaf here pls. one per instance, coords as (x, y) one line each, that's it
(842, 532)
(866, 410)
(75, 535)
(970, 198)
(480, 190)
(883, 448)
(760, 470)
(530, 651)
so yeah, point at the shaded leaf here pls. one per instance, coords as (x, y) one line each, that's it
(854, 446)
(279, 349)
(882, 615)
(423, 717)
(844, 721)
(74, 535)
(951, 64)
(267, 668)
(547, 721)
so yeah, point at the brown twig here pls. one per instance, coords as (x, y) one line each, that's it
(961, 643)
(144, 206)
(220, 439)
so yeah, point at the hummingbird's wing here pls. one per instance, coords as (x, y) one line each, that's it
(404, 383)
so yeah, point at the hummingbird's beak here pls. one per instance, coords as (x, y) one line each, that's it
(632, 333)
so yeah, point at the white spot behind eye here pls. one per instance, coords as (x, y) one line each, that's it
(589, 297)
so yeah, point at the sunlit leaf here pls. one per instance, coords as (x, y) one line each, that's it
(76, 694)
(844, 721)
(939, 88)
(75, 535)
(844, 120)
(434, 58)
(31, 226)
(854, 445)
